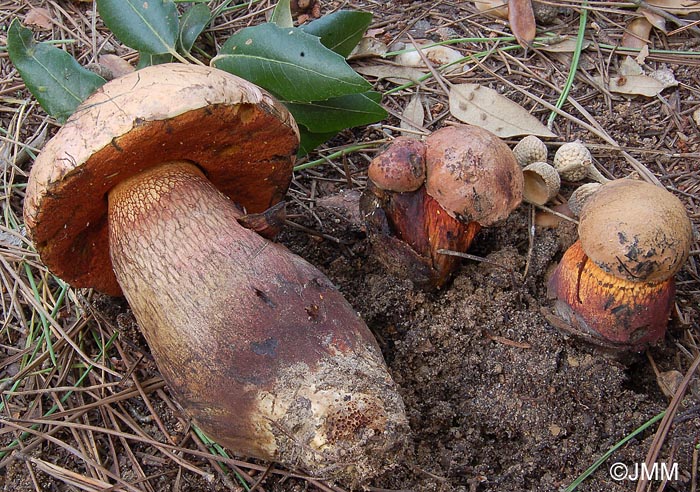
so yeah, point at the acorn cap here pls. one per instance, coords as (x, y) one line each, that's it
(240, 137)
(472, 174)
(636, 231)
(542, 183)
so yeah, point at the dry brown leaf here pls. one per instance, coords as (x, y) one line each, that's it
(636, 33)
(639, 85)
(484, 107)
(496, 8)
(642, 55)
(394, 73)
(678, 7)
(654, 19)
(116, 65)
(630, 67)
(413, 116)
(521, 18)
(368, 47)
(696, 116)
(437, 55)
(40, 18)
(669, 381)
(566, 45)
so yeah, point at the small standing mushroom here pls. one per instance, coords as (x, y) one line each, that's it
(615, 285)
(138, 193)
(472, 179)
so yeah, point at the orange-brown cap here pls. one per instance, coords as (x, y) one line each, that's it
(400, 167)
(635, 230)
(473, 174)
(240, 136)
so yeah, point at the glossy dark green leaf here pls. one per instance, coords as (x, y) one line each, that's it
(282, 14)
(54, 77)
(149, 26)
(291, 64)
(309, 140)
(341, 30)
(339, 112)
(192, 23)
(148, 59)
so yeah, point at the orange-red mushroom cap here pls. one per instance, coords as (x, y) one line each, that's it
(401, 167)
(473, 174)
(240, 137)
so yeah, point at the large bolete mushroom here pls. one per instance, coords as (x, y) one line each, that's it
(138, 193)
(469, 178)
(615, 285)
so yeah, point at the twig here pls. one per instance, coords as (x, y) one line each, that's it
(666, 422)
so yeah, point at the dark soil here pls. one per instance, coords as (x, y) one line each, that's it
(498, 398)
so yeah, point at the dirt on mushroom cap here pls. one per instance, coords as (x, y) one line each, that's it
(636, 231)
(167, 112)
(473, 174)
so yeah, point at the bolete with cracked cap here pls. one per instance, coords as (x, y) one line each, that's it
(615, 285)
(138, 192)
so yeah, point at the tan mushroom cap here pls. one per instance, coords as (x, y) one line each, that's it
(635, 230)
(241, 137)
(473, 174)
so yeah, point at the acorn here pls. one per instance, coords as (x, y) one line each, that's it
(530, 149)
(573, 161)
(542, 183)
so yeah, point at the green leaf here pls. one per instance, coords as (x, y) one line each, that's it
(341, 30)
(291, 64)
(282, 15)
(150, 26)
(192, 23)
(149, 59)
(339, 112)
(54, 77)
(309, 140)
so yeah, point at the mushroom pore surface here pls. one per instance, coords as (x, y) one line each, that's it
(254, 341)
(635, 230)
(243, 139)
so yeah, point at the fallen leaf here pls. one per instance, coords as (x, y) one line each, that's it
(437, 55)
(640, 85)
(522, 21)
(669, 381)
(696, 116)
(630, 67)
(636, 33)
(642, 55)
(654, 19)
(496, 8)
(368, 47)
(413, 117)
(566, 45)
(116, 65)
(346, 202)
(484, 107)
(39, 17)
(679, 7)
(665, 76)
(394, 73)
